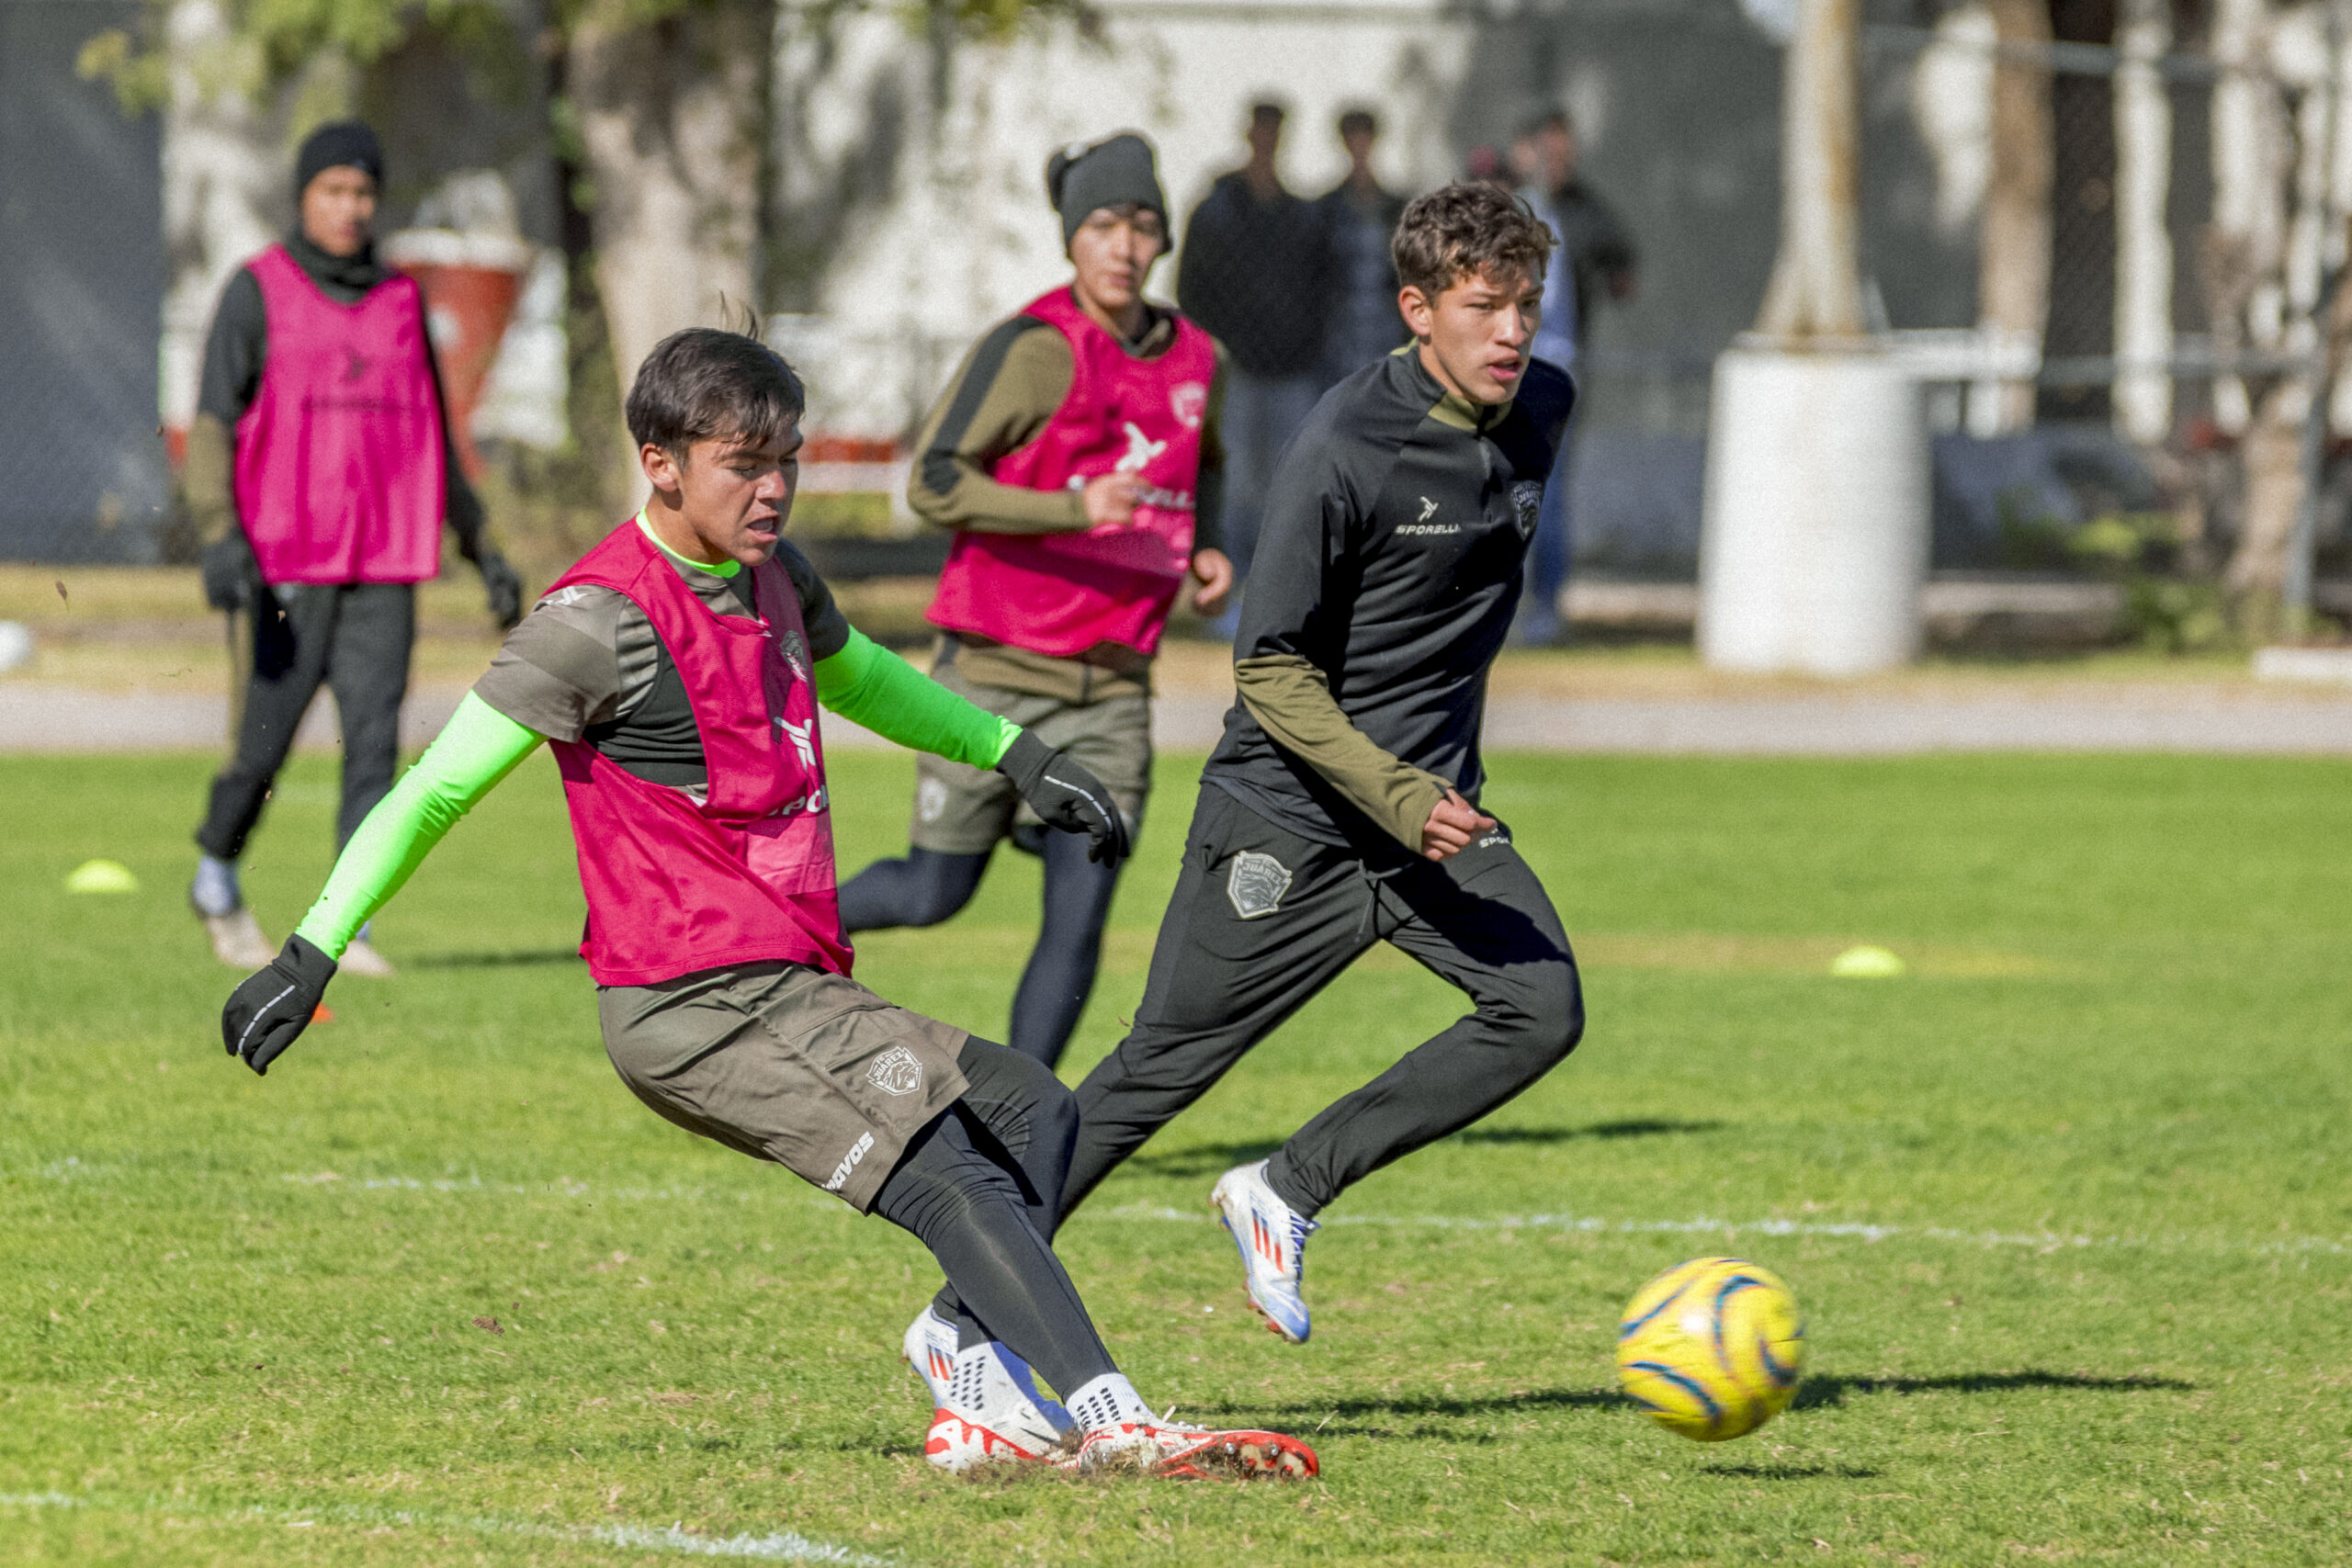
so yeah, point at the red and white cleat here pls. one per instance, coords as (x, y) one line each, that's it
(957, 1443)
(1196, 1453)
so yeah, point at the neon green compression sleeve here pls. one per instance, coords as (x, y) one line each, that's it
(480, 746)
(868, 684)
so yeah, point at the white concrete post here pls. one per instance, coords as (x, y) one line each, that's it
(2143, 260)
(1812, 547)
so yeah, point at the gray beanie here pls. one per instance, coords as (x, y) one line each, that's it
(1110, 173)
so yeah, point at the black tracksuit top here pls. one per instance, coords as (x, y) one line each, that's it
(1390, 560)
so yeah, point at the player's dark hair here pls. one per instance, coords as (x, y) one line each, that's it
(704, 383)
(1468, 230)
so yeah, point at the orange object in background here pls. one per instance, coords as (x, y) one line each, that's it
(471, 284)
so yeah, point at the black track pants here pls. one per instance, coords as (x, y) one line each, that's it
(980, 1187)
(1263, 919)
(928, 886)
(352, 638)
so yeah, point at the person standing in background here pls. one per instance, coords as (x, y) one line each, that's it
(1595, 255)
(1256, 273)
(1075, 457)
(1361, 219)
(320, 473)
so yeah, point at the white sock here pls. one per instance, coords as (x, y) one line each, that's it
(215, 891)
(1106, 1402)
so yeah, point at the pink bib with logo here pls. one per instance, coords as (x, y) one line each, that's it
(340, 459)
(1066, 593)
(747, 875)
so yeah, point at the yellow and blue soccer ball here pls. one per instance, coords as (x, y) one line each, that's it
(1712, 1349)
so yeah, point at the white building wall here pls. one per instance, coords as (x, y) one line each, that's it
(945, 230)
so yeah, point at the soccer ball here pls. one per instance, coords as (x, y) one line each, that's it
(1712, 1349)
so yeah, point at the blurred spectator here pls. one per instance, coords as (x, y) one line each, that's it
(1595, 254)
(1256, 272)
(1361, 218)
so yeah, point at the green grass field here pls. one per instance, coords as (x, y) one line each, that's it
(2069, 1205)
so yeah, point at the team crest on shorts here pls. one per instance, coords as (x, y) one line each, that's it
(896, 1071)
(1256, 884)
(1527, 504)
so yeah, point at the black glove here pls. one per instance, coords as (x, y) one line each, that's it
(231, 573)
(1067, 796)
(504, 585)
(269, 1012)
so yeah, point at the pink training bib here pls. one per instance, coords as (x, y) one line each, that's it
(747, 875)
(339, 459)
(1065, 593)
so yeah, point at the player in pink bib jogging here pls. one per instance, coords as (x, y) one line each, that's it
(320, 472)
(677, 669)
(1075, 456)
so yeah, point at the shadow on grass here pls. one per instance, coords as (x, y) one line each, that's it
(1359, 1417)
(1212, 1159)
(525, 960)
(1832, 1390)
(1791, 1472)
(1645, 1128)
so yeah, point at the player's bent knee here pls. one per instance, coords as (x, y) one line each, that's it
(1544, 1018)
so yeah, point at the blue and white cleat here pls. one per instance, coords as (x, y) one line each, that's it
(1273, 1239)
(988, 1385)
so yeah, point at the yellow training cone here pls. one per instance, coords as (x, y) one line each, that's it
(1868, 963)
(101, 876)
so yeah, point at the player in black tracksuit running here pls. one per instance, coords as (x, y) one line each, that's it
(1341, 806)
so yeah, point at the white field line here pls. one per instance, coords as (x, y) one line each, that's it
(787, 1546)
(72, 1170)
(2040, 1241)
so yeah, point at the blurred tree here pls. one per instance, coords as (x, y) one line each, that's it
(1816, 290)
(663, 105)
(2013, 243)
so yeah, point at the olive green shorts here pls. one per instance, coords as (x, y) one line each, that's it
(787, 1063)
(963, 810)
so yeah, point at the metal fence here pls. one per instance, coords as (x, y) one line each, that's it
(83, 475)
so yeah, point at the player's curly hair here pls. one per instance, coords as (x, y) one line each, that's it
(1468, 230)
(705, 382)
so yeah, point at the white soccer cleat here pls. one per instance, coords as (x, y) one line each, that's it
(362, 959)
(238, 941)
(1179, 1452)
(958, 1441)
(1272, 1237)
(993, 1387)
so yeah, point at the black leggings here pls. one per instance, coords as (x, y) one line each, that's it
(354, 638)
(927, 887)
(982, 1187)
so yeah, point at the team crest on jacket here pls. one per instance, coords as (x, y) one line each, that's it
(1189, 401)
(1256, 884)
(1527, 504)
(896, 1071)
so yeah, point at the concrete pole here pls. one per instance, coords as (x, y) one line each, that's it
(2143, 260)
(1813, 542)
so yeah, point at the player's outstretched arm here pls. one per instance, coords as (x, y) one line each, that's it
(869, 686)
(480, 746)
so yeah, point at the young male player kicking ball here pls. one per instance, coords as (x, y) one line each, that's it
(1075, 456)
(677, 669)
(1344, 808)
